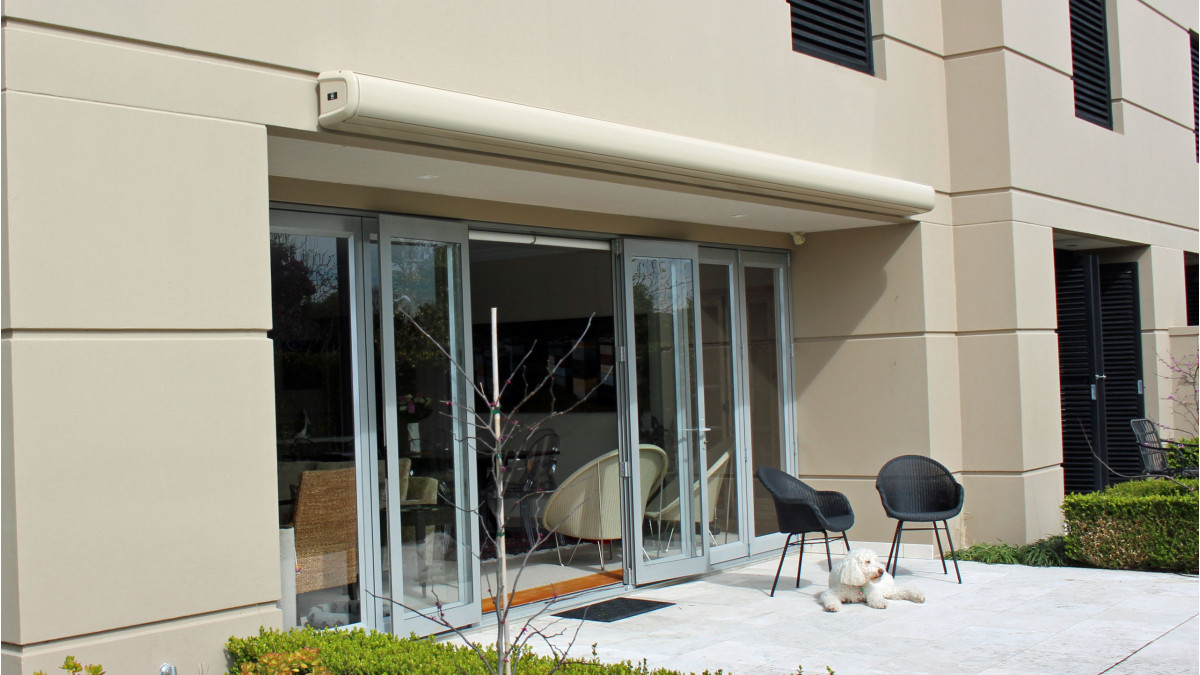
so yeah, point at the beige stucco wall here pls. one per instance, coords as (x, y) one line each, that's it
(137, 381)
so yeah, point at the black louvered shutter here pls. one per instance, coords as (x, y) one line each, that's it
(1078, 361)
(1121, 335)
(1100, 369)
(1089, 60)
(1192, 280)
(835, 30)
(1196, 94)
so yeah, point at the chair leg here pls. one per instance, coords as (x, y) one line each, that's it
(894, 551)
(941, 553)
(779, 569)
(828, 557)
(953, 555)
(800, 563)
(847, 540)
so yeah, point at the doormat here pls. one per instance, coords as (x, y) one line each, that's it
(614, 610)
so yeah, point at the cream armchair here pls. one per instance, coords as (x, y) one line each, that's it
(587, 505)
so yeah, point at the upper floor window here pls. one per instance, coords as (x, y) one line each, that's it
(1089, 59)
(835, 30)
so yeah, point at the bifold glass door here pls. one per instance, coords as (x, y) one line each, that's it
(372, 406)
(666, 468)
(427, 523)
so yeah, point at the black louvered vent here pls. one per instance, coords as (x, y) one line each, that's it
(1121, 332)
(1196, 94)
(1076, 364)
(1191, 279)
(834, 30)
(1089, 59)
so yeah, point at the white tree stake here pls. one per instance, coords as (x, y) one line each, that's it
(502, 644)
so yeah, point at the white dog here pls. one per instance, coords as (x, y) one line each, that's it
(860, 577)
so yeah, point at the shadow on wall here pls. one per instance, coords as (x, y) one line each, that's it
(851, 284)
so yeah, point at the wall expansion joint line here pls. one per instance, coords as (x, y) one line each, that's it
(132, 334)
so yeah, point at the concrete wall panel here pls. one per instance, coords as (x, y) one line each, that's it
(879, 387)
(977, 124)
(859, 282)
(1147, 165)
(144, 472)
(193, 645)
(121, 218)
(1032, 505)
(1153, 65)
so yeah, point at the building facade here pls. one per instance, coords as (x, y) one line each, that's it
(728, 236)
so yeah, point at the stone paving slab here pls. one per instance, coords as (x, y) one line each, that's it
(1002, 620)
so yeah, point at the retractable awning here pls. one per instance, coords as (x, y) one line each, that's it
(373, 106)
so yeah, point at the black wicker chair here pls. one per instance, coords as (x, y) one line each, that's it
(1155, 453)
(802, 510)
(917, 489)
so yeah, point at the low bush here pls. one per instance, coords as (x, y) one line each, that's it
(359, 652)
(1139, 525)
(74, 667)
(1187, 456)
(1049, 552)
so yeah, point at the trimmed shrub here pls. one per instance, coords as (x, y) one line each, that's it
(358, 652)
(1139, 525)
(1049, 552)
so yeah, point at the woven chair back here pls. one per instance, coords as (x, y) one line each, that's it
(785, 489)
(912, 484)
(326, 530)
(1154, 459)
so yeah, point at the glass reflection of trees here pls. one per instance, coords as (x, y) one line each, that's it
(310, 330)
(663, 305)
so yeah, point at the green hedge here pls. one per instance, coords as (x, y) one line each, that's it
(358, 652)
(1139, 525)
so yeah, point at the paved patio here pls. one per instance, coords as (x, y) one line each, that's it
(1003, 620)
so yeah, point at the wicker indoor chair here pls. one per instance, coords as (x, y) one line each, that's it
(802, 510)
(916, 489)
(326, 530)
(587, 505)
(670, 512)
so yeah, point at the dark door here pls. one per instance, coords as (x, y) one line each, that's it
(1100, 369)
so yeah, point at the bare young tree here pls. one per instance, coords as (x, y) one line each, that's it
(495, 429)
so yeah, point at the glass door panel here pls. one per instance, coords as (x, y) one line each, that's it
(317, 417)
(666, 462)
(721, 345)
(426, 403)
(768, 382)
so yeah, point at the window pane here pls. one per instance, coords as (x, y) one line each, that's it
(762, 351)
(720, 403)
(310, 303)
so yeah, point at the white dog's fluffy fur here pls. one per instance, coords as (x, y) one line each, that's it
(860, 577)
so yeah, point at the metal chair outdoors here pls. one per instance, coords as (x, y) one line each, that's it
(532, 471)
(916, 489)
(802, 510)
(1155, 452)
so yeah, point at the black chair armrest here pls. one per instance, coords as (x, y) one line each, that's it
(833, 502)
